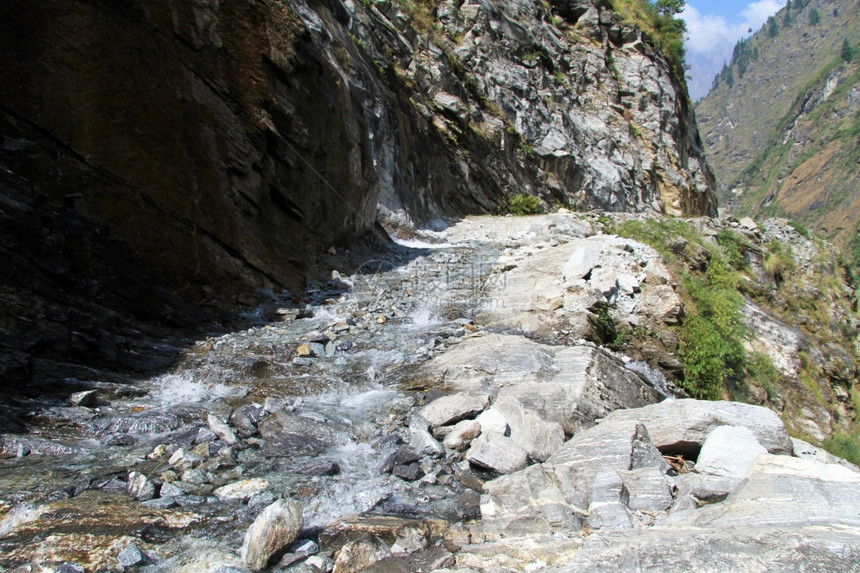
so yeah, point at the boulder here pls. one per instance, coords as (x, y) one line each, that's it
(729, 451)
(222, 430)
(130, 556)
(140, 487)
(245, 419)
(462, 434)
(241, 490)
(660, 302)
(681, 426)
(492, 420)
(420, 439)
(580, 263)
(274, 529)
(607, 487)
(360, 554)
(528, 502)
(607, 509)
(643, 453)
(528, 430)
(648, 489)
(86, 398)
(497, 453)
(288, 435)
(451, 409)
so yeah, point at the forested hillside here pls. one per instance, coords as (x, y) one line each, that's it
(781, 122)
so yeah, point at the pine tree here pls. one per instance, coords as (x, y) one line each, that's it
(668, 8)
(814, 17)
(772, 27)
(847, 53)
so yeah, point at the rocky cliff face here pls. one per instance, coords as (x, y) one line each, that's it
(217, 147)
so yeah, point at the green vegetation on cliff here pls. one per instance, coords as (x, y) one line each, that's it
(712, 335)
(725, 271)
(658, 22)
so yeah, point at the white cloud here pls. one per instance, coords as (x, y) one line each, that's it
(706, 33)
(711, 39)
(757, 13)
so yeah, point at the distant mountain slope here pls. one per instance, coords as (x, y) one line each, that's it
(781, 123)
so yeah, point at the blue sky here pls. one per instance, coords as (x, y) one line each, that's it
(713, 29)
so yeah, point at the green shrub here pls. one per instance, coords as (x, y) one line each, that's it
(803, 231)
(846, 446)
(712, 350)
(527, 150)
(762, 372)
(734, 246)
(778, 260)
(524, 205)
(660, 234)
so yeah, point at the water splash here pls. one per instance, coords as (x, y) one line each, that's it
(187, 388)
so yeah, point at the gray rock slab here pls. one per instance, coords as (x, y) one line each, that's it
(685, 550)
(570, 386)
(528, 502)
(609, 516)
(607, 487)
(587, 384)
(607, 445)
(496, 452)
(451, 409)
(683, 425)
(528, 430)
(694, 490)
(782, 491)
(729, 451)
(806, 450)
(648, 489)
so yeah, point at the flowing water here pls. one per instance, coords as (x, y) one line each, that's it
(331, 372)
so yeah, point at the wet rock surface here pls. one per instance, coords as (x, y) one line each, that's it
(420, 437)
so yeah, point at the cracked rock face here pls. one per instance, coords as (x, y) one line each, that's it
(198, 152)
